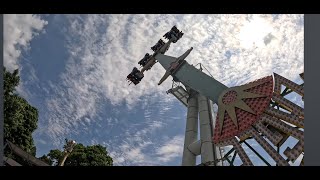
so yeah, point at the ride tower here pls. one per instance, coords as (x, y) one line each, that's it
(257, 110)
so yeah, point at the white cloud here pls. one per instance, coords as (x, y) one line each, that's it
(130, 150)
(143, 139)
(133, 151)
(108, 57)
(19, 30)
(42, 141)
(171, 149)
(104, 49)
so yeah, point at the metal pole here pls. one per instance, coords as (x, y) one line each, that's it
(225, 157)
(188, 158)
(230, 163)
(265, 161)
(208, 149)
(68, 148)
(64, 159)
(234, 157)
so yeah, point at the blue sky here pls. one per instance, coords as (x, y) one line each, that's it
(73, 70)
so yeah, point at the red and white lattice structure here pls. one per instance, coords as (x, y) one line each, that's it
(255, 117)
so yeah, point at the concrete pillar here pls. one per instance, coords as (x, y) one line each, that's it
(209, 152)
(188, 158)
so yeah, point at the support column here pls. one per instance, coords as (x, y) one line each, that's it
(188, 158)
(209, 152)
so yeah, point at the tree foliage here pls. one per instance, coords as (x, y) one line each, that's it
(20, 118)
(20, 121)
(81, 155)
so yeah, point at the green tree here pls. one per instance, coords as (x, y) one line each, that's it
(20, 118)
(81, 155)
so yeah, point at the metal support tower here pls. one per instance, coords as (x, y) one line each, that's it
(209, 151)
(244, 112)
(191, 133)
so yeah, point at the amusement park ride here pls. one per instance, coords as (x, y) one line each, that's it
(257, 110)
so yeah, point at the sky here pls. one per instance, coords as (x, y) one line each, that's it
(73, 69)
